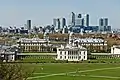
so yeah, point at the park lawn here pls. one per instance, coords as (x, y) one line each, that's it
(39, 53)
(68, 71)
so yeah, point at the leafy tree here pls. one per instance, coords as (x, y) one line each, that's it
(14, 72)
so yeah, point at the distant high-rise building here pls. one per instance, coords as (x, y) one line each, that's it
(105, 21)
(108, 28)
(29, 24)
(63, 22)
(79, 21)
(79, 16)
(54, 22)
(82, 21)
(101, 22)
(58, 24)
(86, 20)
(72, 19)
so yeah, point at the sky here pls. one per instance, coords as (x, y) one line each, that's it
(42, 12)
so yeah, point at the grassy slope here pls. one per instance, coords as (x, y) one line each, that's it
(65, 68)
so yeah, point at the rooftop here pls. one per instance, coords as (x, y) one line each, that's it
(89, 40)
(70, 47)
(34, 40)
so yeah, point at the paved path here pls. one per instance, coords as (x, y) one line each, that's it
(73, 72)
(109, 77)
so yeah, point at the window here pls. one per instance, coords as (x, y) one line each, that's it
(80, 52)
(65, 57)
(68, 52)
(79, 57)
(72, 52)
(60, 57)
(76, 57)
(84, 52)
(61, 53)
(84, 57)
(72, 57)
(65, 52)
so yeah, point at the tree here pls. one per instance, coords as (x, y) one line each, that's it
(14, 72)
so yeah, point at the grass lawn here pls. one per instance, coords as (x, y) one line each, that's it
(71, 71)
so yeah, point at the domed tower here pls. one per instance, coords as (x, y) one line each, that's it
(70, 37)
(46, 36)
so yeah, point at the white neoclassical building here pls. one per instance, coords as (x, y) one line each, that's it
(71, 53)
(115, 49)
(92, 44)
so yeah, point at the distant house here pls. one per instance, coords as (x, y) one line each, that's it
(115, 49)
(71, 53)
(8, 56)
(8, 53)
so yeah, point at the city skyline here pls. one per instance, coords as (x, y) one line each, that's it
(42, 12)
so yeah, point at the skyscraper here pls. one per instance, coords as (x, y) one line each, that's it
(29, 24)
(54, 22)
(79, 21)
(86, 20)
(105, 22)
(79, 16)
(63, 22)
(72, 19)
(82, 21)
(101, 22)
(58, 23)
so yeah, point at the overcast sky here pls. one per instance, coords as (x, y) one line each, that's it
(41, 12)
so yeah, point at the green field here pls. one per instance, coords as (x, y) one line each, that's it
(72, 71)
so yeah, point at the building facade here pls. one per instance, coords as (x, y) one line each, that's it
(115, 49)
(63, 22)
(34, 45)
(86, 20)
(71, 53)
(104, 25)
(29, 24)
(92, 44)
(72, 19)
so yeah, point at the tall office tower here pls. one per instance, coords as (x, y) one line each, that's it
(105, 21)
(58, 24)
(82, 21)
(63, 22)
(79, 21)
(29, 24)
(79, 16)
(101, 23)
(72, 19)
(86, 20)
(54, 22)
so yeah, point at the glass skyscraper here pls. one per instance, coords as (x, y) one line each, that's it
(72, 19)
(29, 24)
(63, 22)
